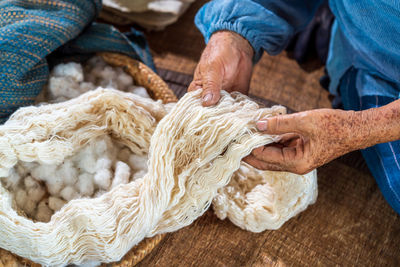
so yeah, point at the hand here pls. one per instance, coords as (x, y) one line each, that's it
(226, 64)
(308, 139)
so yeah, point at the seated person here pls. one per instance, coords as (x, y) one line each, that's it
(363, 65)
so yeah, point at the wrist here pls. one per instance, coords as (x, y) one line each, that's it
(234, 39)
(381, 124)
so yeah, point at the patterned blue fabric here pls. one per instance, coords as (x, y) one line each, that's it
(365, 35)
(32, 30)
(383, 160)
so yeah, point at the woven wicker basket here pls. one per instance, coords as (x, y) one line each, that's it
(157, 89)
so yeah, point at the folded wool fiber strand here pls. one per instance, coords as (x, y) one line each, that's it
(193, 153)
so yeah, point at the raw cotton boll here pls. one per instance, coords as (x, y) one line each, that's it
(21, 170)
(137, 90)
(55, 185)
(138, 162)
(13, 179)
(103, 179)
(43, 213)
(68, 172)
(85, 184)
(103, 163)
(63, 87)
(30, 182)
(44, 172)
(36, 193)
(29, 207)
(122, 173)
(86, 159)
(28, 166)
(103, 146)
(86, 86)
(124, 80)
(138, 175)
(124, 154)
(56, 203)
(69, 193)
(20, 198)
(108, 74)
(71, 69)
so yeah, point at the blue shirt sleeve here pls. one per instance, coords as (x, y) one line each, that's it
(266, 24)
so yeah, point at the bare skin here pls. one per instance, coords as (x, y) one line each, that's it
(226, 64)
(307, 139)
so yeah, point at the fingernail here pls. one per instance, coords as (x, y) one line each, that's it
(262, 125)
(207, 97)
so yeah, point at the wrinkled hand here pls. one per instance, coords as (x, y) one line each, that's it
(307, 140)
(226, 64)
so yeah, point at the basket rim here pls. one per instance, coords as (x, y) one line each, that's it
(159, 90)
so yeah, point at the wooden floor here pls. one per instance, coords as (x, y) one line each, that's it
(350, 224)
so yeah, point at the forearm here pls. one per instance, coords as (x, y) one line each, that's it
(369, 127)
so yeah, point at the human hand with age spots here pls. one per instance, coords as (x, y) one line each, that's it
(312, 138)
(225, 64)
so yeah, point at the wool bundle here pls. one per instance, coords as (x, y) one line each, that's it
(193, 152)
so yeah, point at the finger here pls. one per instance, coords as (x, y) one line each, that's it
(279, 124)
(284, 155)
(256, 163)
(270, 154)
(194, 85)
(212, 84)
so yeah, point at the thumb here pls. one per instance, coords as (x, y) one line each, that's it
(278, 124)
(212, 84)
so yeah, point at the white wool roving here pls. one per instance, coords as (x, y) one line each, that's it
(192, 154)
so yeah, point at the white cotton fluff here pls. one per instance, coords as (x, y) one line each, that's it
(36, 193)
(86, 160)
(122, 173)
(124, 80)
(55, 185)
(69, 193)
(103, 163)
(13, 179)
(102, 178)
(68, 172)
(29, 207)
(43, 213)
(71, 69)
(63, 87)
(138, 175)
(30, 182)
(138, 90)
(72, 79)
(56, 203)
(44, 172)
(137, 162)
(85, 184)
(21, 197)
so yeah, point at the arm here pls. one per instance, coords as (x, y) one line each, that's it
(248, 28)
(267, 24)
(312, 138)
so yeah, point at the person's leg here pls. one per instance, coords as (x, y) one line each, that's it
(383, 160)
